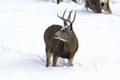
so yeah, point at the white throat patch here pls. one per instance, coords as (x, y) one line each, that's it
(61, 39)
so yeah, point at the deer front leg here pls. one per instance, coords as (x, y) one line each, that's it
(55, 58)
(70, 61)
(48, 56)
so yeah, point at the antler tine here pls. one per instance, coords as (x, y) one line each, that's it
(63, 15)
(69, 16)
(74, 17)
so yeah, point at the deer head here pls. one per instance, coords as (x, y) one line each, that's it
(67, 22)
(67, 31)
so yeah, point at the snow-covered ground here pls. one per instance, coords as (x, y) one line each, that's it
(22, 49)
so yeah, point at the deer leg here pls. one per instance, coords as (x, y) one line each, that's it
(55, 58)
(58, 1)
(87, 5)
(70, 61)
(48, 55)
(74, 1)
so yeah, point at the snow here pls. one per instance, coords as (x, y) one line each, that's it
(22, 49)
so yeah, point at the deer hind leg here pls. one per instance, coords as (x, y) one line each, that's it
(70, 61)
(55, 58)
(86, 5)
(48, 56)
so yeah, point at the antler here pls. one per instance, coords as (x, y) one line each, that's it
(74, 16)
(62, 16)
(69, 16)
(68, 19)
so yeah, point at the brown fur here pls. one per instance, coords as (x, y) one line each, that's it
(106, 7)
(50, 31)
(60, 42)
(59, 48)
(97, 6)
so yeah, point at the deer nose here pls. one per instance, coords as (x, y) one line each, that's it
(102, 4)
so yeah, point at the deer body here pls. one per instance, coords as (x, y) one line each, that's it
(98, 5)
(60, 42)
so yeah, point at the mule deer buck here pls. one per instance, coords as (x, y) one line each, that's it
(61, 41)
